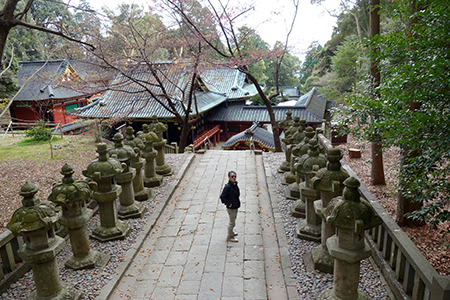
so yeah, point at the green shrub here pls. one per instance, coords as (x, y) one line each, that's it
(40, 132)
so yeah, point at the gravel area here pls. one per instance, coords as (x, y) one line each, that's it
(91, 281)
(310, 283)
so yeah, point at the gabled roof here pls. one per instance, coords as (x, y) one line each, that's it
(132, 100)
(48, 80)
(254, 134)
(314, 102)
(238, 112)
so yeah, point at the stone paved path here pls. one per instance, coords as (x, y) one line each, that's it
(186, 255)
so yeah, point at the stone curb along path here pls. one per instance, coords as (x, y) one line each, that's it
(132, 252)
(270, 208)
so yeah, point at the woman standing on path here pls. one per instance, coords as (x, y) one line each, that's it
(230, 197)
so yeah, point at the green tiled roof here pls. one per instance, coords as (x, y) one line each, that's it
(131, 100)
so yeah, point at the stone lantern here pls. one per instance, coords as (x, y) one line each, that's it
(286, 123)
(295, 139)
(102, 171)
(35, 221)
(161, 167)
(128, 207)
(330, 182)
(351, 215)
(293, 191)
(141, 193)
(308, 164)
(151, 179)
(72, 195)
(285, 165)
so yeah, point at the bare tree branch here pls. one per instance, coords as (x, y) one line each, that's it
(10, 62)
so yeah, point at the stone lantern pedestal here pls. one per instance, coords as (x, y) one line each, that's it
(151, 179)
(294, 140)
(141, 193)
(128, 207)
(309, 228)
(298, 208)
(72, 195)
(308, 165)
(329, 181)
(35, 221)
(285, 165)
(351, 216)
(102, 171)
(161, 167)
(285, 125)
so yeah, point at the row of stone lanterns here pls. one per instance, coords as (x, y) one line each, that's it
(330, 202)
(116, 173)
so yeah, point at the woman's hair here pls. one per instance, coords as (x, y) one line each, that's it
(231, 172)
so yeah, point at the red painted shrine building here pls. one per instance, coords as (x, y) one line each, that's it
(52, 90)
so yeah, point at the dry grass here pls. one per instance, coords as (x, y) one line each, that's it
(19, 164)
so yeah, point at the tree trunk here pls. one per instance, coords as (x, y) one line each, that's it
(377, 149)
(406, 204)
(4, 31)
(184, 135)
(273, 122)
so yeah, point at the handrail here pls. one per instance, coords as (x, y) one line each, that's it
(11, 266)
(198, 141)
(407, 272)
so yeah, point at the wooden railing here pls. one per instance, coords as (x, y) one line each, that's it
(11, 264)
(205, 137)
(407, 272)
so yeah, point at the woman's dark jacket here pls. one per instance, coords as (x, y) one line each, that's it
(230, 195)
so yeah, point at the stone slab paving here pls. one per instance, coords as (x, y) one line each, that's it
(186, 255)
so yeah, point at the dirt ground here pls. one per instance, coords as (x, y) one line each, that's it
(428, 241)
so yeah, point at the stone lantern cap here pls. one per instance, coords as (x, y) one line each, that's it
(131, 140)
(350, 211)
(306, 163)
(103, 167)
(324, 178)
(156, 126)
(150, 137)
(145, 128)
(121, 152)
(286, 123)
(33, 215)
(69, 190)
(303, 147)
(298, 135)
(291, 130)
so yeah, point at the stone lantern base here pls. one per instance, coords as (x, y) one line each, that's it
(328, 294)
(284, 167)
(298, 209)
(322, 260)
(66, 293)
(144, 195)
(164, 170)
(93, 259)
(292, 191)
(307, 231)
(288, 178)
(118, 232)
(135, 210)
(157, 180)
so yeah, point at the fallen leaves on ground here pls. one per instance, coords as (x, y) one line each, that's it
(427, 240)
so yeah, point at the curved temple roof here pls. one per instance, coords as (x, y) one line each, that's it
(255, 134)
